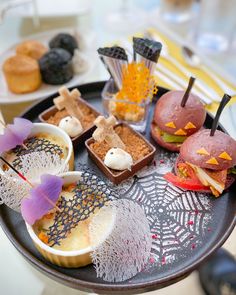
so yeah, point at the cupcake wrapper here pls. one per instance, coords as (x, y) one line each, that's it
(114, 58)
(147, 51)
(115, 69)
(151, 65)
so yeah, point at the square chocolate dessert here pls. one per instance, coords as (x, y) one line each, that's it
(71, 113)
(135, 146)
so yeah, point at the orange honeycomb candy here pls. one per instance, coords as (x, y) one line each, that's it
(138, 86)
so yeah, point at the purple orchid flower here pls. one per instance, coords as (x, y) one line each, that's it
(42, 198)
(15, 134)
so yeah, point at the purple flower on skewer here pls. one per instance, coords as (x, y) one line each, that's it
(42, 198)
(15, 134)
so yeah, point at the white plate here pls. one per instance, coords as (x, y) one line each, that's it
(7, 97)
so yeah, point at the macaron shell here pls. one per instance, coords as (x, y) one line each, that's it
(168, 109)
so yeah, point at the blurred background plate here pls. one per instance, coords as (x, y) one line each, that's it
(84, 40)
(52, 8)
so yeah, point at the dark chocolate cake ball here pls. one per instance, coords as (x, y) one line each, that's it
(65, 41)
(56, 66)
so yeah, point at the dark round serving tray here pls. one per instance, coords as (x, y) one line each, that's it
(186, 227)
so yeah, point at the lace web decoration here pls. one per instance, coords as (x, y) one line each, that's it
(35, 145)
(90, 194)
(12, 191)
(126, 250)
(35, 164)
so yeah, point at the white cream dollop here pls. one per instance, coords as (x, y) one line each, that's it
(118, 159)
(71, 126)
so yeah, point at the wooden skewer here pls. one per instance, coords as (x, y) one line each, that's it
(29, 183)
(2, 120)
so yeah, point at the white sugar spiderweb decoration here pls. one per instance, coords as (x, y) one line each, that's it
(34, 144)
(126, 250)
(12, 191)
(37, 163)
(162, 164)
(178, 219)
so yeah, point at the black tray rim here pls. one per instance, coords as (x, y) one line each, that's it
(121, 287)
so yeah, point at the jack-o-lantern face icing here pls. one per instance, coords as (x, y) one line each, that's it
(171, 118)
(216, 152)
(189, 125)
(180, 132)
(212, 161)
(225, 156)
(171, 125)
(202, 151)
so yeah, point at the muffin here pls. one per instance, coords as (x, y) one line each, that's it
(32, 49)
(65, 41)
(22, 74)
(56, 66)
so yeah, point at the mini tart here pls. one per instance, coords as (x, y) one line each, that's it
(22, 74)
(70, 258)
(55, 133)
(31, 48)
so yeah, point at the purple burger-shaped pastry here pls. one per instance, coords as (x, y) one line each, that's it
(177, 115)
(206, 160)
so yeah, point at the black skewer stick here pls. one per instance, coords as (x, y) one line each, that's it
(225, 99)
(187, 92)
(134, 56)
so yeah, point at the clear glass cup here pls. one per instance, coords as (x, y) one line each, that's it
(127, 18)
(6, 5)
(135, 114)
(216, 23)
(176, 11)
